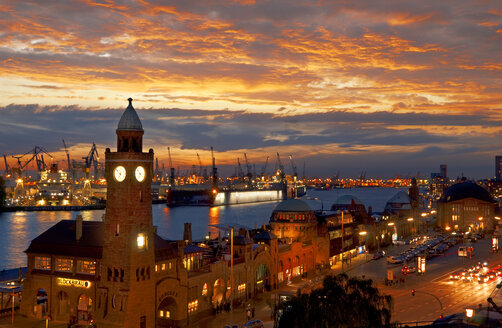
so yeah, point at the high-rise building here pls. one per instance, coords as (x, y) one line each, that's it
(443, 168)
(498, 168)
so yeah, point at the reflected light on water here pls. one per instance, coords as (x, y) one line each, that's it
(214, 218)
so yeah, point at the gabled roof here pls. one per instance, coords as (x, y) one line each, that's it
(60, 240)
(265, 235)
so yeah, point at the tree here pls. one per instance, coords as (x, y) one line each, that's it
(340, 302)
(2, 193)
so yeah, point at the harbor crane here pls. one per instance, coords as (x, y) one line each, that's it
(248, 167)
(92, 159)
(264, 168)
(200, 165)
(239, 169)
(281, 167)
(293, 166)
(7, 168)
(215, 170)
(70, 166)
(171, 168)
(38, 155)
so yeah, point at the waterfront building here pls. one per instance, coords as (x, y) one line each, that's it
(466, 206)
(439, 181)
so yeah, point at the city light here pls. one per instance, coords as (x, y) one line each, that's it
(410, 219)
(469, 313)
(363, 233)
(390, 223)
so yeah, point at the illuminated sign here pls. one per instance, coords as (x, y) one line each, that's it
(73, 282)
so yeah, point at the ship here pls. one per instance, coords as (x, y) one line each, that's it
(211, 195)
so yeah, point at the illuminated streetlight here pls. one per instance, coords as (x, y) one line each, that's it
(410, 219)
(480, 218)
(469, 313)
(363, 233)
(497, 218)
(447, 228)
(390, 223)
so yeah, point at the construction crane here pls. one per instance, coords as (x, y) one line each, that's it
(248, 167)
(37, 155)
(171, 168)
(92, 159)
(264, 168)
(200, 165)
(293, 166)
(239, 169)
(7, 168)
(281, 167)
(215, 170)
(67, 156)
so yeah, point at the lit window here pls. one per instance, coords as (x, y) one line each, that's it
(167, 314)
(163, 266)
(170, 265)
(141, 241)
(42, 262)
(65, 265)
(204, 290)
(88, 267)
(161, 313)
(156, 268)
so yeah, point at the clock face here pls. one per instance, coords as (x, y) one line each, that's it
(140, 173)
(119, 173)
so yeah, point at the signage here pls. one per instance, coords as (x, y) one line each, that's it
(390, 275)
(421, 264)
(73, 282)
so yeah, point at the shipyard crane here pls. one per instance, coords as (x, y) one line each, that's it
(37, 155)
(248, 167)
(67, 156)
(293, 166)
(215, 170)
(281, 167)
(7, 168)
(200, 165)
(264, 168)
(239, 169)
(303, 175)
(171, 168)
(92, 159)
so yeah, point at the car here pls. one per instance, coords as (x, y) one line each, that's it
(255, 323)
(408, 269)
(482, 278)
(456, 275)
(378, 255)
(394, 259)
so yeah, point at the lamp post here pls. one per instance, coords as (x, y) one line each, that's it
(410, 220)
(342, 241)
(364, 233)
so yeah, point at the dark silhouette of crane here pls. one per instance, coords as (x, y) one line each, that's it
(171, 168)
(264, 168)
(37, 154)
(249, 175)
(293, 166)
(281, 167)
(92, 159)
(215, 170)
(7, 168)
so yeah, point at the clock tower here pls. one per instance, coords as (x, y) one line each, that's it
(126, 293)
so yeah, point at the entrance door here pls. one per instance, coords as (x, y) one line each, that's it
(84, 308)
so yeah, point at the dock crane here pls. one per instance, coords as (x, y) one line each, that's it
(248, 167)
(70, 166)
(215, 170)
(293, 166)
(239, 169)
(264, 168)
(37, 155)
(281, 167)
(7, 168)
(171, 168)
(92, 159)
(200, 165)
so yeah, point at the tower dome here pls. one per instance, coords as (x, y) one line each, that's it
(130, 120)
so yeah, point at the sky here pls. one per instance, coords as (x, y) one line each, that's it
(390, 88)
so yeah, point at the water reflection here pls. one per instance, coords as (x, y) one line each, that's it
(214, 218)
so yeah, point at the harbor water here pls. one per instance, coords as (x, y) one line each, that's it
(19, 228)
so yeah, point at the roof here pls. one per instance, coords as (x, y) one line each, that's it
(347, 200)
(265, 235)
(60, 240)
(130, 119)
(193, 249)
(242, 240)
(464, 190)
(164, 249)
(293, 205)
(400, 198)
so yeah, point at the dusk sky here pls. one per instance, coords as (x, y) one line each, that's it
(387, 87)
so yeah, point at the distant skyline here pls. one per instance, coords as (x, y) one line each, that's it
(389, 87)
